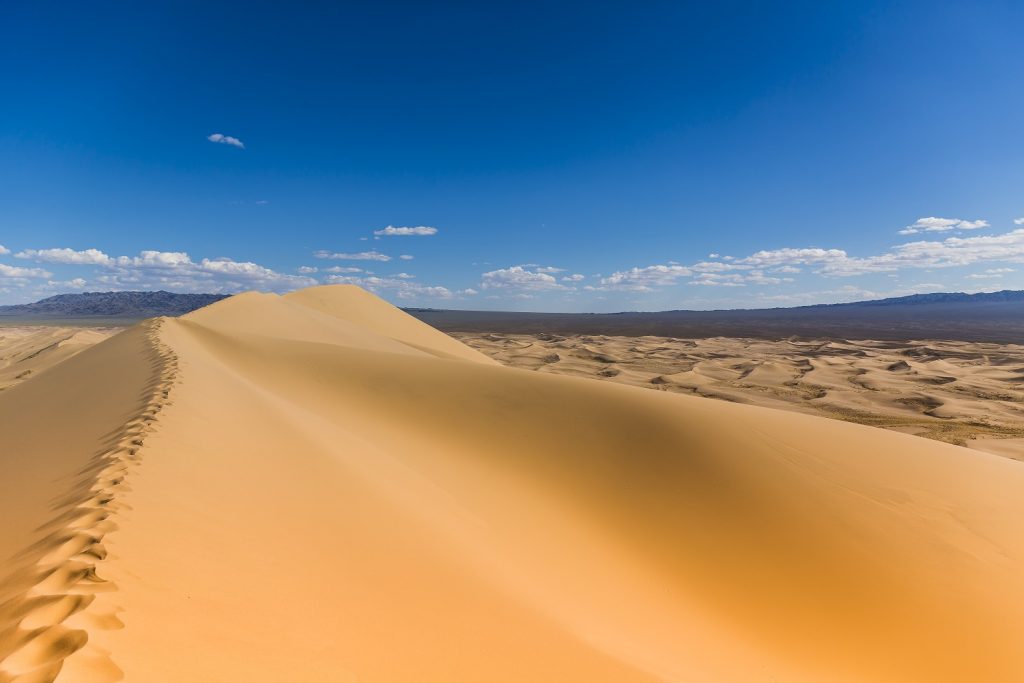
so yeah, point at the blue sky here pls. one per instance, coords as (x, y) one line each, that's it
(556, 156)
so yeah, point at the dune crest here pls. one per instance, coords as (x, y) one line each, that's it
(59, 499)
(334, 491)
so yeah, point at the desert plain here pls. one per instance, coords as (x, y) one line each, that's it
(318, 487)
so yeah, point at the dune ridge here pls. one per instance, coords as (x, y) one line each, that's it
(336, 493)
(47, 600)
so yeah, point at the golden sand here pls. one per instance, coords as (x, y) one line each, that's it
(316, 487)
(28, 350)
(964, 393)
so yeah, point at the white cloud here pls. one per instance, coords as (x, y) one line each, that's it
(4, 250)
(358, 256)
(790, 256)
(718, 280)
(18, 272)
(76, 283)
(643, 279)
(468, 291)
(308, 270)
(66, 256)
(343, 269)
(990, 273)
(225, 140)
(519, 278)
(951, 252)
(715, 266)
(1018, 221)
(549, 269)
(757, 277)
(401, 288)
(769, 267)
(164, 269)
(406, 257)
(392, 231)
(575, 277)
(933, 224)
(155, 259)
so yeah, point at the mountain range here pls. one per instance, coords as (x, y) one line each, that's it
(121, 305)
(988, 316)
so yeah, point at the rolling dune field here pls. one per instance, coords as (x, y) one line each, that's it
(318, 487)
(965, 393)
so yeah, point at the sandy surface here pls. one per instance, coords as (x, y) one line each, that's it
(969, 394)
(28, 350)
(317, 487)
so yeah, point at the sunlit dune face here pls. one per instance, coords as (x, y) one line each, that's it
(317, 487)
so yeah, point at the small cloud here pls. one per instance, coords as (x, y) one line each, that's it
(575, 277)
(358, 256)
(18, 272)
(406, 257)
(718, 280)
(400, 288)
(93, 257)
(933, 224)
(1018, 221)
(225, 140)
(990, 273)
(519, 278)
(714, 255)
(4, 250)
(343, 269)
(644, 279)
(404, 276)
(392, 231)
(308, 270)
(468, 291)
(261, 202)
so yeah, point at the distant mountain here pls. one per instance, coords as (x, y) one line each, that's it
(1004, 296)
(991, 317)
(125, 305)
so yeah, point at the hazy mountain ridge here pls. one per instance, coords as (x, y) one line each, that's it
(988, 317)
(991, 316)
(111, 304)
(1002, 296)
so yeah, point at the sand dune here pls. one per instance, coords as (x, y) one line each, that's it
(317, 488)
(964, 393)
(28, 350)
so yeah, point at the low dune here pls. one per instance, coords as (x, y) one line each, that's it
(964, 393)
(28, 350)
(316, 487)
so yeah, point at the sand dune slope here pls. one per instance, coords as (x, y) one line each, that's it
(964, 393)
(330, 493)
(67, 441)
(27, 351)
